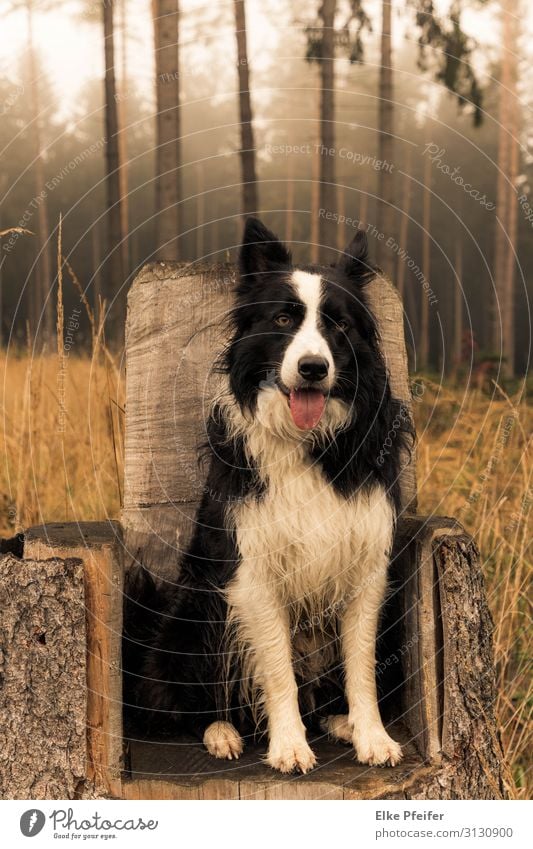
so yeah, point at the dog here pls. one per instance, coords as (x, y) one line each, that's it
(274, 620)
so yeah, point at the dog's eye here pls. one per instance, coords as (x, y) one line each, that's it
(283, 320)
(343, 325)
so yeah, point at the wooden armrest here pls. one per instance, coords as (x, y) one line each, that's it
(413, 527)
(450, 677)
(98, 545)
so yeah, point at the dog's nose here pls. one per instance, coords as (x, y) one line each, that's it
(313, 368)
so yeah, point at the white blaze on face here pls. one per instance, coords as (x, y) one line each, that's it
(308, 340)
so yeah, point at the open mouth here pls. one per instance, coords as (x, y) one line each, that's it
(306, 405)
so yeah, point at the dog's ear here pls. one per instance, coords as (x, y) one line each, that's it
(261, 251)
(354, 262)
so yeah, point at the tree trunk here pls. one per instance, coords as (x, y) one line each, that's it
(96, 251)
(508, 312)
(41, 307)
(328, 192)
(506, 200)
(168, 182)
(508, 299)
(363, 206)
(200, 211)
(385, 219)
(250, 202)
(458, 301)
(423, 341)
(315, 189)
(289, 217)
(114, 275)
(341, 206)
(123, 136)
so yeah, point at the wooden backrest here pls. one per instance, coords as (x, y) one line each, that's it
(174, 331)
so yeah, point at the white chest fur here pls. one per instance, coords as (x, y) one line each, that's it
(302, 540)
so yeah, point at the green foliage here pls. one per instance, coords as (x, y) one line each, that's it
(348, 37)
(445, 47)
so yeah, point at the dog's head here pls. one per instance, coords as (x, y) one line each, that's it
(304, 351)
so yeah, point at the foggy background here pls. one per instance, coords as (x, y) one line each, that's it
(463, 105)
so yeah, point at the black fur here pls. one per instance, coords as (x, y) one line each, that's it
(175, 652)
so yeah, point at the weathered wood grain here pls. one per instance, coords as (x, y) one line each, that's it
(421, 651)
(387, 306)
(175, 329)
(474, 764)
(182, 768)
(99, 546)
(43, 694)
(449, 696)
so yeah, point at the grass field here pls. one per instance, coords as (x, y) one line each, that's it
(62, 428)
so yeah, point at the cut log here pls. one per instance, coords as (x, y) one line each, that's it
(42, 679)
(99, 546)
(473, 760)
(175, 329)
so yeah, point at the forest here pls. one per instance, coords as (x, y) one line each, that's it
(135, 131)
(411, 120)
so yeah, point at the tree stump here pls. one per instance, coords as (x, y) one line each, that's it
(42, 679)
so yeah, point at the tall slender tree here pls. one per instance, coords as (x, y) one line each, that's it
(116, 148)
(114, 271)
(315, 192)
(322, 41)
(123, 134)
(168, 181)
(458, 300)
(40, 307)
(289, 218)
(250, 202)
(328, 190)
(423, 341)
(386, 199)
(506, 200)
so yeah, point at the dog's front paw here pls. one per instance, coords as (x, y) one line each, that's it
(222, 740)
(338, 727)
(375, 747)
(290, 755)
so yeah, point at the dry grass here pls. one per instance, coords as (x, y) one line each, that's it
(474, 464)
(62, 439)
(62, 460)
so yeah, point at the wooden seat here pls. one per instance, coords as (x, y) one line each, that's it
(434, 665)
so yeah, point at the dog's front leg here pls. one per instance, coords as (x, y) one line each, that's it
(263, 626)
(358, 632)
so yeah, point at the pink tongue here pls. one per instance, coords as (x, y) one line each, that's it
(307, 406)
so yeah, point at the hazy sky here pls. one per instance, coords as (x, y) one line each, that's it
(72, 49)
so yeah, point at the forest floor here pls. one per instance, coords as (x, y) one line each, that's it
(62, 426)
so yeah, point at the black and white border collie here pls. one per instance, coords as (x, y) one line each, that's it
(276, 611)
